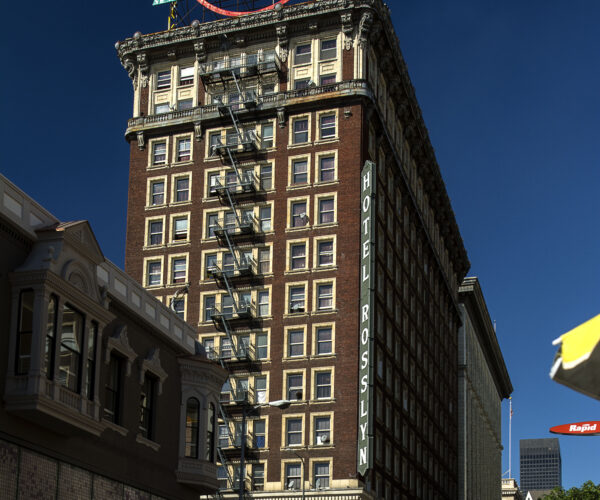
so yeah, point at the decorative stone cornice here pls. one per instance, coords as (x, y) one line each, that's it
(366, 21)
(143, 67)
(200, 51)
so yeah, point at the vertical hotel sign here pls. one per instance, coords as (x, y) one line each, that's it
(367, 284)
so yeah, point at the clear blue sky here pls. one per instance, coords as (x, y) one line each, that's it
(510, 92)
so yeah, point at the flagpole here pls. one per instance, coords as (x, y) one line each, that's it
(510, 438)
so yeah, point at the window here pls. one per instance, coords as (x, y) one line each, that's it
(326, 211)
(155, 232)
(180, 228)
(212, 183)
(163, 80)
(264, 214)
(212, 221)
(298, 256)
(154, 273)
(112, 390)
(159, 152)
(210, 433)
(295, 343)
(267, 136)
(157, 193)
(71, 342)
(293, 432)
(327, 126)
(162, 108)
(186, 76)
(322, 430)
(192, 425)
(24, 332)
(299, 217)
(262, 340)
(294, 386)
(325, 253)
(184, 148)
(182, 189)
(147, 407)
(268, 88)
(325, 297)
(260, 390)
(327, 79)
(323, 385)
(209, 307)
(178, 270)
(324, 341)
(266, 177)
(178, 307)
(263, 303)
(90, 378)
(293, 476)
(264, 260)
(328, 50)
(300, 171)
(326, 168)
(300, 131)
(258, 477)
(302, 54)
(223, 434)
(296, 299)
(185, 104)
(214, 140)
(321, 474)
(222, 475)
(301, 84)
(50, 346)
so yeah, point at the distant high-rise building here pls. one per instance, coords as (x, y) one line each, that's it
(541, 465)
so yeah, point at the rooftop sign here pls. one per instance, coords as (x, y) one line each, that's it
(578, 429)
(233, 13)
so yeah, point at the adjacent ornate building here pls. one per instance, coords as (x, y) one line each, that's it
(483, 383)
(103, 394)
(284, 197)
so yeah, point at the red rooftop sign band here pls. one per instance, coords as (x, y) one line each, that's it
(233, 13)
(578, 429)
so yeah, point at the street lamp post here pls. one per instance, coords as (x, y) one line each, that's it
(303, 473)
(282, 404)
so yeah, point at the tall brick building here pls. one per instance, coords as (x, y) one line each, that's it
(285, 199)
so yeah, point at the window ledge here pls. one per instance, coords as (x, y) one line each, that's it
(296, 271)
(300, 145)
(115, 427)
(154, 247)
(155, 207)
(180, 203)
(326, 225)
(326, 183)
(328, 140)
(148, 442)
(178, 243)
(182, 163)
(296, 315)
(323, 269)
(320, 313)
(298, 187)
(296, 229)
(288, 359)
(157, 167)
(323, 356)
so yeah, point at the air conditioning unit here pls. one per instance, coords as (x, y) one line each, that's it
(297, 308)
(322, 440)
(299, 395)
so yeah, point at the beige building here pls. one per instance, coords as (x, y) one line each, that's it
(483, 383)
(510, 490)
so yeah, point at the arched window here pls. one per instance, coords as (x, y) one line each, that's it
(210, 433)
(192, 419)
(24, 332)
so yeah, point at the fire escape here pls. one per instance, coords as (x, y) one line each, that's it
(237, 272)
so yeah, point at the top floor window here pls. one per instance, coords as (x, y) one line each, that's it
(302, 54)
(163, 80)
(328, 50)
(186, 76)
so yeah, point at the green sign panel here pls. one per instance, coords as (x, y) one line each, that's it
(160, 2)
(367, 290)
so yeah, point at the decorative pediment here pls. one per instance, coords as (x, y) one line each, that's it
(152, 364)
(119, 342)
(80, 235)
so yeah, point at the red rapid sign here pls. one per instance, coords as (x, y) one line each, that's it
(578, 429)
(234, 13)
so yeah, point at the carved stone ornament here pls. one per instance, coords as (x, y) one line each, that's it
(282, 40)
(281, 117)
(347, 30)
(141, 140)
(198, 131)
(152, 364)
(119, 342)
(144, 68)
(129, 65)
(200, 50)
(314, 26)
(366, 21)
